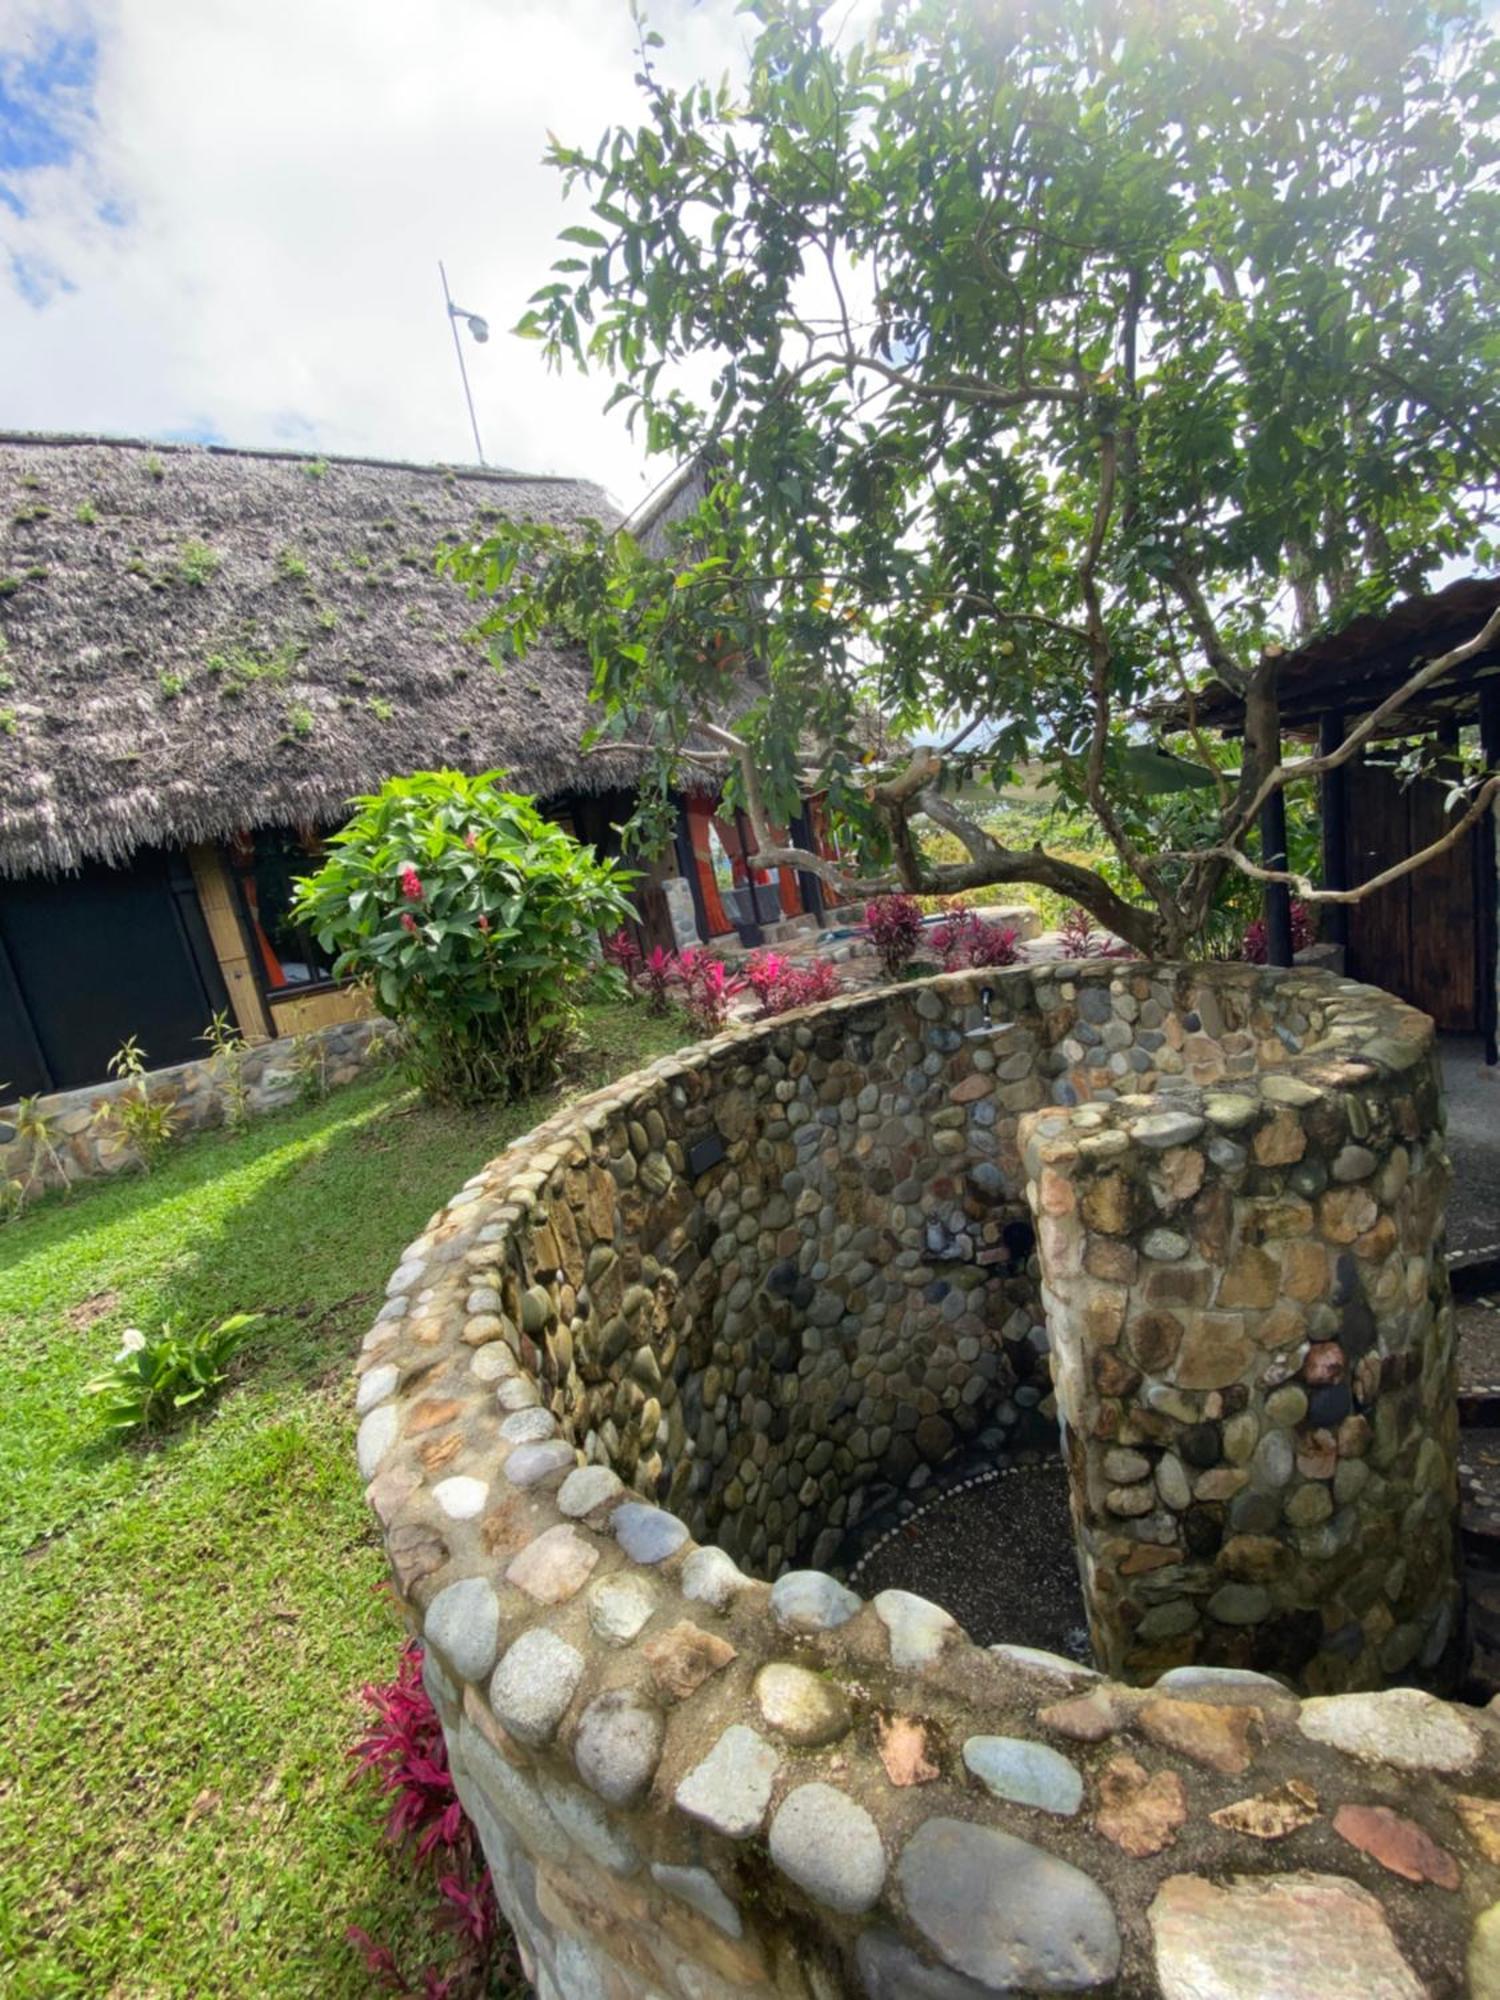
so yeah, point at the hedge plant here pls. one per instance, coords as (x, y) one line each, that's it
(475, 922)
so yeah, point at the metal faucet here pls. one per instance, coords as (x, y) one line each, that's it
(986, 995)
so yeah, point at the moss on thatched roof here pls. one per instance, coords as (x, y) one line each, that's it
(194, 640)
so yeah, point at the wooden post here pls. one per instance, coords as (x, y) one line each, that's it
(1278, 897)
(1488, 941)
(1333, 798)
(216, 896)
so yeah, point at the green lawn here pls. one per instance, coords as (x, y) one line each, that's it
(186, 1626)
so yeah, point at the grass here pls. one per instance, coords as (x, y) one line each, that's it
(187, 1625)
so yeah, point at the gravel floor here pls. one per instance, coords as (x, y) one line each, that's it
(998, 1554)
(1479, 1344)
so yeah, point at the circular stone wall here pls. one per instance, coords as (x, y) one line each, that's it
(716, 1311)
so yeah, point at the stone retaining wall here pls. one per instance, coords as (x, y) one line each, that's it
(741, 1283)
(87, 1143)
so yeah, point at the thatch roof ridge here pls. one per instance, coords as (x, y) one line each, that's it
(443, 468)
(195, 639)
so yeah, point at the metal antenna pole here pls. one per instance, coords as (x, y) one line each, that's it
(458, 349)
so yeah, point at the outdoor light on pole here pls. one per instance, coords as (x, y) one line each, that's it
(480, 329)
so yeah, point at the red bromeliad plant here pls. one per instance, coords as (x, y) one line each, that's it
(707, 989)
(1082, 937)
(624, 953)
(780, 983)
(894, 925)
(655, 977)
(1255, 945)
(404, 1752)
(996, 944)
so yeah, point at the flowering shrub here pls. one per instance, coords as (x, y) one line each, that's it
(1082, 937)
(780, 983)
(1255, 946)
(475, 921)
(404, 1752)
(894, 924)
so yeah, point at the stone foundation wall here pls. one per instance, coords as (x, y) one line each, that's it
(87, 1143)
(698, 1783)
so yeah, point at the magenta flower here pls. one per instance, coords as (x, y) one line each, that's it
(408, 921)
(411, 884)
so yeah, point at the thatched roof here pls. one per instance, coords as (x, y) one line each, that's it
(197, 640)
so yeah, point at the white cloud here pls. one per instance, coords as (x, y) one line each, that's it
(284, 177)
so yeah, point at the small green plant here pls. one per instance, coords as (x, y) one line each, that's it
(316, 468)
(171, 684)
(30, 481)
(37, 573)
(476, 922)
(35, 512)
(242, 668)
(328, 620)
(86, 514)
(196, 564)
(9, 585)
(155, 1377)
(299, 721)
(228, 1048)
(36, 1129)
(380, 708)
(8, 723)
(309, 1067)
(154, 469)
(291, 565)
(145, 1121)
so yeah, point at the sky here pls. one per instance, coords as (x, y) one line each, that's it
(222, 219)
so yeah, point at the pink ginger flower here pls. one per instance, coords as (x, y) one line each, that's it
(484, 922)
(408, 921)
(411, 884)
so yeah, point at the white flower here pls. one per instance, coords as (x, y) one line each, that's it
(132, 1340)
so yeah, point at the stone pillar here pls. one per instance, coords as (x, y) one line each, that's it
(1254, 1363)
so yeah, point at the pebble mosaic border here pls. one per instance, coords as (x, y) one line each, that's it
(695, 1784)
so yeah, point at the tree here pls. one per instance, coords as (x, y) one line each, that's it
(1058, 351)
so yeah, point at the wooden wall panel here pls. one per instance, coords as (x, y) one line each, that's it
(295, 1014)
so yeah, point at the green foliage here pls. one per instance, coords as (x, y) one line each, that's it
(146, 1120)
(153, 467)
(23, 516)
(316, 468)
(291, 564)
(171, 684)
(309, 1067)
(196, 564)
(9, 585)
(379, 707)
(155, 1377)
(327, 620)
(8, 723)
(1049, 359)
(475, 921)
(228, 1049)
(86, 514)
(299, 721)
(243, 668)
(37, 1131)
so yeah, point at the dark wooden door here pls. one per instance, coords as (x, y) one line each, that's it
(89, 959)
(1418, 938)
